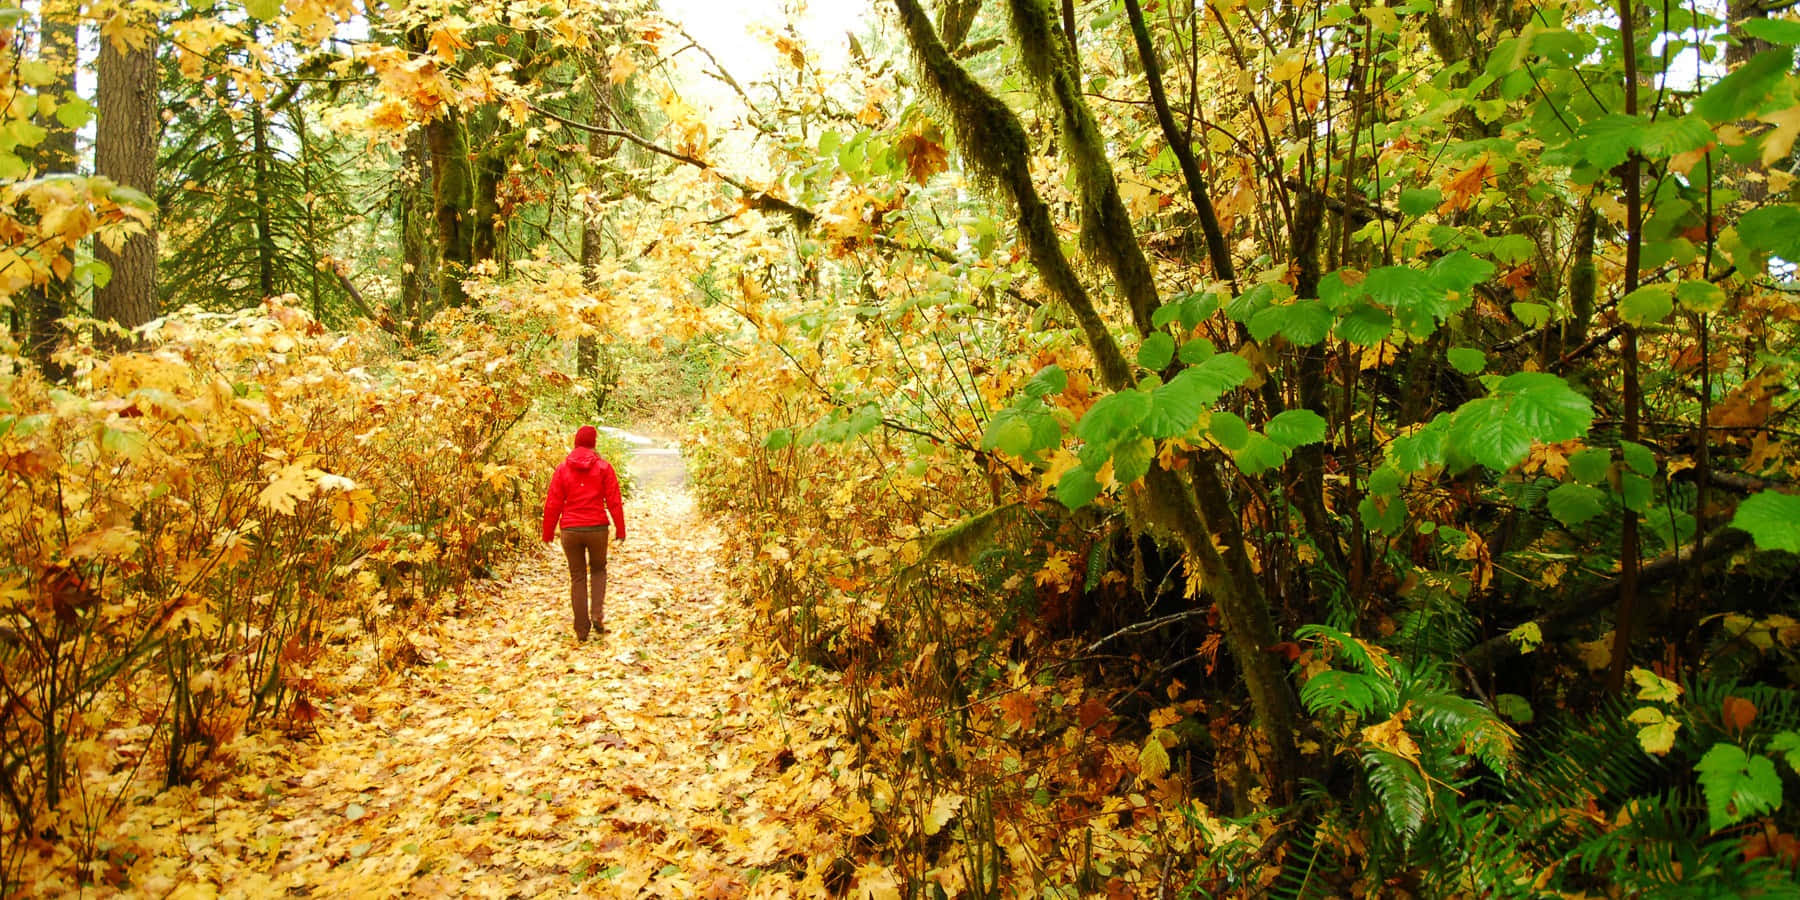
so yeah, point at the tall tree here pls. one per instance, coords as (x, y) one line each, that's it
(125, 146)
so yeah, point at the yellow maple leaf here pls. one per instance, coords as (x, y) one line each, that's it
(1777, 143)
(621, 68)
(350, 509)
(1462, 188)
(943, 809)
(294, 483)
(446, 39)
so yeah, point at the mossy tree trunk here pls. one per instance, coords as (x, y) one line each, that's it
(1193, 504)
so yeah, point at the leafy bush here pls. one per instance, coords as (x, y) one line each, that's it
(187, 526)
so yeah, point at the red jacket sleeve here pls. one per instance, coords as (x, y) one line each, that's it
(615, 505)
(553, 502)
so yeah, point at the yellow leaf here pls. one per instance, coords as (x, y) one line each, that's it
(1596, 654)
(289, 486)
(1658, 733)
(1528, 636)
(1777, 143)
(943, 809)
(350, 509)
(1153, 760)
(1391, 736)
(876, 882)
(1654, 687)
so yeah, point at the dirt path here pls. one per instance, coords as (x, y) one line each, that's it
(662, 760)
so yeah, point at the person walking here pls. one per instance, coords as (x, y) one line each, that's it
(583, 492)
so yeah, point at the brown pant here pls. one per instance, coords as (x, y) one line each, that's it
(586, 549)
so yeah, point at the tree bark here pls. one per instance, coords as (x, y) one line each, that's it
(259, 185)
(447, 142)
(125, 141)
(1193, 511)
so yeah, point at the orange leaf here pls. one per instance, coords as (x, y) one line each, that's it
(1460, 191)
(1738, 713)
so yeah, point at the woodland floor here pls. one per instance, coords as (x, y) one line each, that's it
(505, 759)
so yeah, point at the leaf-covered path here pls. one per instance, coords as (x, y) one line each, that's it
(507, 760)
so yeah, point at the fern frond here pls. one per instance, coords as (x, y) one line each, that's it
(1401, 787)
(1453, 719)
(1368, 658)
(1335, 690)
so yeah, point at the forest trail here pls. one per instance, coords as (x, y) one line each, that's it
(508, 760)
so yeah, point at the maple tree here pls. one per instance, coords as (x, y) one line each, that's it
(1301, 448)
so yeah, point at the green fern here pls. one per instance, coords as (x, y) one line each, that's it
(1404, 792)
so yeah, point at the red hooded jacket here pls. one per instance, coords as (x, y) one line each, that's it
(582, 492)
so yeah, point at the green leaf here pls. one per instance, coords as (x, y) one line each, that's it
(1467, 360)
(1460, 271)
(779, 439)
(1077, 488)
(1737, 785)
(1296, 427)
(1420, 201)
(1259, 454)
(1604, 142)
(1304, 323)
(1647, 305)
(1700, 296)
(1400, 287)
(1422, 449)
(1114, 415)
(1573, 504)
(1669, 136)
(1365, 326)
(1156, 351)
(1132, 458)
(36, 73)
(1196, 351)
(1772, 519)
(1514, 707)
(1229, 430)
(1049, 380)
(1787, 743)
(1742, 92)
(263, 10)
(74, 112)
(1636, 492)
(1640, 458)
(1497, 431)
(1531, 315)
(1176, 406)
(1775, 31)
(1590, 466)
(1773, 229)
(1513, 249)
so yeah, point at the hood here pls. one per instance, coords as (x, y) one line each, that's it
(584, 459)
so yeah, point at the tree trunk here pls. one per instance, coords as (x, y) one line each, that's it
(125, 142)
(586, 349)
(1193, 504)
(414, 246)
(447, 143)
(259, 186)
(485, 243)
